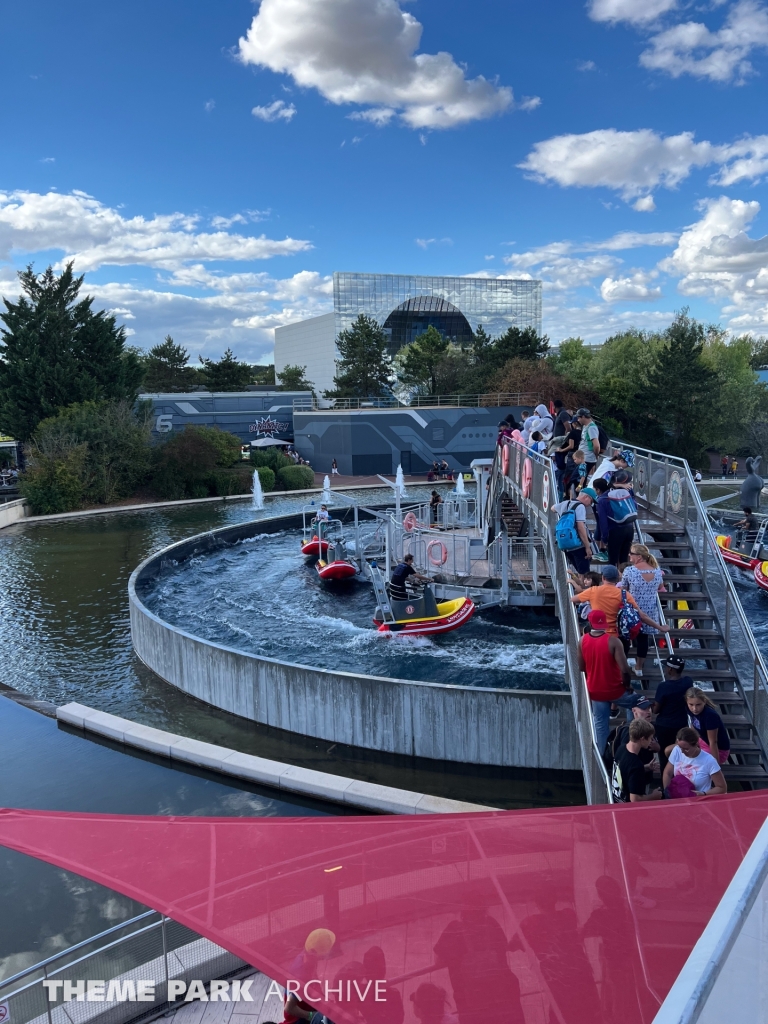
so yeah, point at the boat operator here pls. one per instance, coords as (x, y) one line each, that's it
(323, 515)
(402, 571)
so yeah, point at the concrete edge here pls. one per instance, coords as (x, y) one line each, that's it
(305, 781)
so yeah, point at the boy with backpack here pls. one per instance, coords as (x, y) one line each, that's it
(571, 534)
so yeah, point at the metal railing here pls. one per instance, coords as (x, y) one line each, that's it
(529, 478)
(311, 404)
(667, 483)
(149, 947)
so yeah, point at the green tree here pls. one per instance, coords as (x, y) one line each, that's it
(166, 369)
(228, 374)
(574, 360)
(419, 363)
(517, 343)
(682, 388)
(55, 351)
(363, 369)
(116, 439)
(199, 461)
(264, 374)
(759, 351)
(740, 395)
(293, 378)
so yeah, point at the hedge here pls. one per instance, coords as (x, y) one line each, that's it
(295, 478)
(267, 477)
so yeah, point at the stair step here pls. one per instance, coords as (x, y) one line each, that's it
(684, 595)
(698, 634)
(665, 562)
(745, 772)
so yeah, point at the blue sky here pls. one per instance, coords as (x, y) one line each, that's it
(208, 166)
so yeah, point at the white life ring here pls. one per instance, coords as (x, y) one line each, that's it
(443, 552)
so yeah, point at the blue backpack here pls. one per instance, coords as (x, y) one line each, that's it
(566, 534)
(622, 510)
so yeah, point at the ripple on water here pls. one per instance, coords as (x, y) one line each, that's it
(262, 596)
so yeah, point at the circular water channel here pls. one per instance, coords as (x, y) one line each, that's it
(264, 597)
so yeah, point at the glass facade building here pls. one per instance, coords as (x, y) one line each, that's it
(406, 305)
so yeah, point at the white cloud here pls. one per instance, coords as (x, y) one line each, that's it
(586, 65)
(630, 162)
(558, 269)
(632, 240)
(95, 235)
(424, 243)
(690, 48)
(634, 163)
(209, 106)
(644, 204)
(635, 288)
(240, 218)
(636, 12)
(277, 111)
(365, 52)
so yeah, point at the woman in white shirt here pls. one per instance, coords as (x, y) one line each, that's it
(686, 758)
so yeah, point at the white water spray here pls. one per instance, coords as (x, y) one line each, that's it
(460, 483)
(326, 490)
(400, 482)
(257, 501)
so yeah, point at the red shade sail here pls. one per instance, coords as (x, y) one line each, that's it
(573, 915)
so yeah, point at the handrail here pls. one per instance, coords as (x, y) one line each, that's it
(710, 560)
(78, 945)
(488, 400)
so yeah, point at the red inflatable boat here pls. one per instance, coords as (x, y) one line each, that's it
(336, 570)
(761, 575)
(315, 547)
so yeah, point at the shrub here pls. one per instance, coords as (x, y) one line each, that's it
(295, 478)
(227, 445)
(55, 482)
(182, 464)
(223, 482)
(267, 478)
(116, 448)
(270, 457)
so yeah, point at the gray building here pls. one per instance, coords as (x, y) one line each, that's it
(368, 441)
(249, 414)
(405, 306)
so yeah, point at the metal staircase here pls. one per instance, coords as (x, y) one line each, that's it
(701, 605)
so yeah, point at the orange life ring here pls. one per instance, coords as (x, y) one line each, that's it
(410, 522)
(505, 459)
(527, 478)
(443, 552)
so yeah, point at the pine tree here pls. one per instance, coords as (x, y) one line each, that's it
(363, 369)
(420, 360)
(55, 351)
(516, 343)
(228, 374)
(166, 369)
(682, 390)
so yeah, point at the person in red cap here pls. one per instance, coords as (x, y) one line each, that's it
(604, 663)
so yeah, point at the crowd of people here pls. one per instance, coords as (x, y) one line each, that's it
(678, 734)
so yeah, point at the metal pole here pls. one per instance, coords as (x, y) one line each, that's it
(47, 999)
(755, 702)
(504, 543)
(727, 637)
(358, 550)
(165, 956)
(535, 566)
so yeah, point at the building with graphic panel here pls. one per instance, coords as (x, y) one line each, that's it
(405, 306)
(248, 414)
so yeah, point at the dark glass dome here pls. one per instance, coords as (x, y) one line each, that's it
(412, 318)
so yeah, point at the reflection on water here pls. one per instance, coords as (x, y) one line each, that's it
(264, 597)
(42, 766)
(65, 635)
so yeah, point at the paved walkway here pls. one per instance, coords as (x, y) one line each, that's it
(259, 1011)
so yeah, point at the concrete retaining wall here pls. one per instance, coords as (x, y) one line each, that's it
(520, 728)
(336, 788)
(12, 512)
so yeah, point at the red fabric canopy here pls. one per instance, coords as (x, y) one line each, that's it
(573, 915)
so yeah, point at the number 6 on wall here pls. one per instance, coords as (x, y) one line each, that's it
(164, 423)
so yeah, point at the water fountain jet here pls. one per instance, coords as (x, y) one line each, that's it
(257, 501)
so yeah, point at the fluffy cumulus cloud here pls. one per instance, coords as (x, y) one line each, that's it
(201, 305)
(634, 163)
(365, 52)
(636, 287)
(687, 47)
(96, 235)
(716, 256)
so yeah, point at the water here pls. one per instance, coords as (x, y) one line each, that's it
(257, 493)
(326, 490)
(45, 909)
(459, 489)
(400, 482)
(264, 597)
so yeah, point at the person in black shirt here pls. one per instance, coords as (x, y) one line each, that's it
(669, 705)
(401, 573)
(564, 456)
(628, 779)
